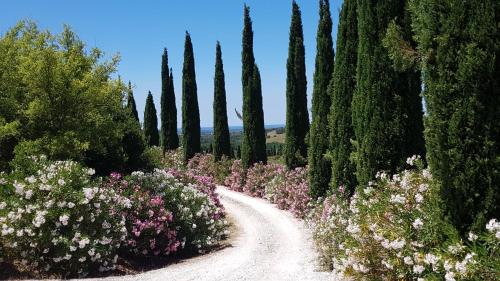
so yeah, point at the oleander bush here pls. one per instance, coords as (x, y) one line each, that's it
(58, 219)
(289, 190)
(258, 177)
(198, 217)
(205, 165)
(236, 177)
(393, 230)
(149, 223)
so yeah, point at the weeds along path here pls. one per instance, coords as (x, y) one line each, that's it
(270, 245)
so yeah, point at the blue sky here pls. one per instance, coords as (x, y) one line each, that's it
(139, 30)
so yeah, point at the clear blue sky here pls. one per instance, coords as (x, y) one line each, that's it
(138, 31)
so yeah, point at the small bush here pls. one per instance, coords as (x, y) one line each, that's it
(204, 164)
(289, 190)
(173, 160)
(148, 222)
(198, 218)
(235, 179)
(258, 177)
(58, 219)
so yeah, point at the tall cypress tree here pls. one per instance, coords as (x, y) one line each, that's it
(131, 102)
(172, 136)
(460, 45)
(165, 79)
(151, 122)
(386, 109)
(297, 116)
(222, 143)
(258, 115)
(169, 138)
(253, 147)
(319, 165)
(190, 111)
(341, 90)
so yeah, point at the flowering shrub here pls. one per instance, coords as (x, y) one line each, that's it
(289, 190)
(392, 230)
(197, 219)
(60, 220)
(148, 222)
(258, 176)
(234, 180)
(173, 160)
(204, 164)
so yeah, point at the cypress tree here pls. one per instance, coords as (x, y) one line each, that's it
(131, 102)
(460, 46)
(319, 165)
(190, 111)
(297, 116)
(172, 137)
(386, 108)
(341, 90)
(258, 115)
(222, 144)
(151, 122)
(253, 147)
(169, 138)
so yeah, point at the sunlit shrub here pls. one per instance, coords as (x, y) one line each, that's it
(235, 179)
(59, 219)
(205, 165)
(148, 222)
(289, 190)
(198, 217)
(392, 230)
(258, 176)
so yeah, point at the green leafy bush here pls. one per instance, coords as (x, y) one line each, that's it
(58, 98)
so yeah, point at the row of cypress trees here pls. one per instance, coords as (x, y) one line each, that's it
(169, 139)
(367, 113)
(388, 53)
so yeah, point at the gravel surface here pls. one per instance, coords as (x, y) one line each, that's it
(270, 244)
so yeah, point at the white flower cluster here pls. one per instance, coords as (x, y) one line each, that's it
(384, 230)
(52, 223)
(493, 226)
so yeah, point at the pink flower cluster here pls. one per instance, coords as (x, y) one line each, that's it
(291, 191)
(203, 183)
(258, 177)
(148, 222)
(234, 180)
(204, 164)
(287, 189)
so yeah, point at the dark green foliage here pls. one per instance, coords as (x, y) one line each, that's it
(172, 136)
(169, 137)
(386, 108)
(253, 147)
(459, 43)
(191, 132)
(222, 143)
(319, 165)
(297, 115)
(131, 102)
(341, 90)
(151, 122)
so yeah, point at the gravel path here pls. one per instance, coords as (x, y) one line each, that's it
(270, 245)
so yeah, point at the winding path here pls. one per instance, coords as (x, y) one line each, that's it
(270, 245)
